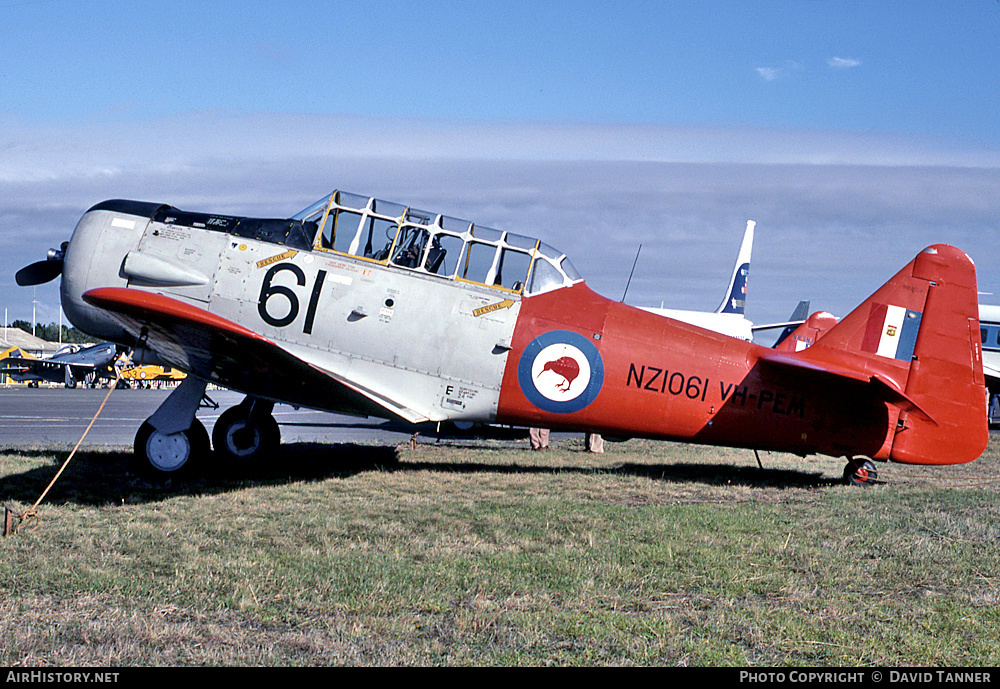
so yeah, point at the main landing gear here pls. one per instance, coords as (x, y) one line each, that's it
(161, 453)
(246, 432)
(173, 441)
(860, 472)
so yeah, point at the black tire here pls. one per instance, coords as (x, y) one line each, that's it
(860, 473)
(241, 438)
(160, 455)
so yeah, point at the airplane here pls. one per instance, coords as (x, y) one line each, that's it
(798, 318)
(729, 318)
(989, 329)
(818, 323)
(143, 375)
(70, 365)
(807, 333)
(375, 308)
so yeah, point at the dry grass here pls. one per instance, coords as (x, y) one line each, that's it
(484, 553)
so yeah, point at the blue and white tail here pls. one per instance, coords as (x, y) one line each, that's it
(736, 296)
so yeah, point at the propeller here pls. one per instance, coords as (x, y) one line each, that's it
(41, 272)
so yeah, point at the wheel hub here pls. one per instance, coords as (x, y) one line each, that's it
(168, 452)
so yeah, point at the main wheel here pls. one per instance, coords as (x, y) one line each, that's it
(162, 454)
(860, 473)
(243, 437)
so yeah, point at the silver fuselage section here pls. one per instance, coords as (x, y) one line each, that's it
(421, 325)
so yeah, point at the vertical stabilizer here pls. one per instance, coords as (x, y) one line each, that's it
(918, 339)
(796, 320)
(736, 296)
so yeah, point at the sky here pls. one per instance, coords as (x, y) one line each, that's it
(853, 133)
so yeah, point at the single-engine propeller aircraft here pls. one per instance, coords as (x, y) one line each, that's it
(70, 365)
(368, 307)
(145, 375)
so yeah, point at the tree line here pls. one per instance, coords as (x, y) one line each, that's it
(50, 332)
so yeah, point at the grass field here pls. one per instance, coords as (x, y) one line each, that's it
(485, 553)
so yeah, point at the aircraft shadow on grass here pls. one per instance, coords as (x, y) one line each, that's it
(711, 474)
(96, 477)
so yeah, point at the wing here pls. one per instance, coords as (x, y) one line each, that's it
(221, 351)
(16, 364)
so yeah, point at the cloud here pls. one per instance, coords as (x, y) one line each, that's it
(769, 73)
(595, 191)
(785, 70)
(843, 62)
(174, 145)
(773, 73)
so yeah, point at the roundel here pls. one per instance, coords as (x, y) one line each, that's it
(560, 372)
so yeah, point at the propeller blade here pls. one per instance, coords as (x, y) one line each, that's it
(39, 272)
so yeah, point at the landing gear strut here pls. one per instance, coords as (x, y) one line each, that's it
(860, 472)
(246, 432)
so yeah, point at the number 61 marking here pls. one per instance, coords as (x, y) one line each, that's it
(267, 290)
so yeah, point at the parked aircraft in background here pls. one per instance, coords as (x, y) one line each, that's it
(145, 374)
(375, 308)
(989, 329)
(70, 365)
(729, 318)
(798, 317)
(807, 333)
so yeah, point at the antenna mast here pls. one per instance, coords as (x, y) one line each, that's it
(630, 274)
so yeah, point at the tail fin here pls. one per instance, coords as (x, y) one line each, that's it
(918, 336)
(736, 296)
(806, 334)
(795, 321)
(17, 352)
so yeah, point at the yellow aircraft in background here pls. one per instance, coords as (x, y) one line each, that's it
(142, 376)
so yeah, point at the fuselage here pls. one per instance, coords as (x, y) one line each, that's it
(655, 377)
(732, 324)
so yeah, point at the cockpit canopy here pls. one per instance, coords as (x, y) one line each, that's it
(435, 244)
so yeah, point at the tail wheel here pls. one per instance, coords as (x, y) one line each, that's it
(860, 473)
(163, 454)
(240, 436)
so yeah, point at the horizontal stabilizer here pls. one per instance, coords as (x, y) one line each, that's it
(883, 387)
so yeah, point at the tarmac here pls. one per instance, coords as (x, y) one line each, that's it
(58, 416)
